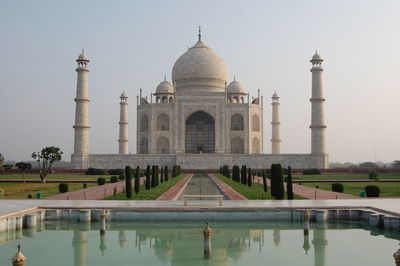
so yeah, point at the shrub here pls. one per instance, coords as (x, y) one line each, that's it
(121, 177)
(236, 173)
(114, 179)
(148, 178)
(63, 187)
(289, 184)
(372, 191)
(312, 171)
(128, 182)
(243, 175)
(84, 185)
(277, 188)
(137, 180)
(115, 171)
(94, 171)
(101, 181)
(372, 174)
(2, 193)
(30, 196)
(337, 187)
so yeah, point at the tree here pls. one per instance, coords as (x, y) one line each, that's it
(23, 167)
(236, 173)
(277, 188)
(243, 176)
(153, 176)
(128, 182)
(46, 158)
(394, 164)
(137, 180)
(148, 178)
(289, 184)
(162, 175)
(249, 176)
(264, 177)
(7, 167)
(1, 161)
(367, 164)
(166, 173)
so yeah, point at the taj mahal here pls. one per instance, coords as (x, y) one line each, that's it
(199, 120)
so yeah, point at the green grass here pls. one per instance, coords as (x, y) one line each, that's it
(54, 176)
(21, 190)
(388, 189)
(343, 176)
(151, 194)
(255, 192)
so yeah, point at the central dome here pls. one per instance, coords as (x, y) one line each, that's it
(200, 66)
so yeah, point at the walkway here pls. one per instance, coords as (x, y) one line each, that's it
(93, 193)
(313, 193)
(229, 192)
(174, 191)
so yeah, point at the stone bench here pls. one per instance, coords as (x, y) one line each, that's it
(186, 197)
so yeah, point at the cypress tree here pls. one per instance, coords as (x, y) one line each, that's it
(264, 181)
(153, 176)
(249, 180)
(289, 184)
(157, 176)
(166, 174)
(273, 179)
(148, 178)
(243, 177)
(128, 182)
(173, 171)
(235, 173)
(277, 188)
(162, 175)
(137, 180)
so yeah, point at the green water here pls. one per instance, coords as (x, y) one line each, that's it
(181, 243)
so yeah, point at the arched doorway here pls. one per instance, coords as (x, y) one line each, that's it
(200, 133)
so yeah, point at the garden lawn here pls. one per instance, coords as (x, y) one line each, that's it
(54, 177)
(388, 189)
(255, 192)
(343, 176)
(150, 194)
(22, 190)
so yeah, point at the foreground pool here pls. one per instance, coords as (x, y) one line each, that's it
(181, 243)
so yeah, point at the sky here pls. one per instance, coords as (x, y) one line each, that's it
(266, 44)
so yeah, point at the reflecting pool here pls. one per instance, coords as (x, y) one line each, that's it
(181, 243)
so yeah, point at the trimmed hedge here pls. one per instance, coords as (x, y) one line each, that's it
(337, 187)
(63, 187)
(114, 179)
(372, 191)
(94, 171)
(101, 181)
(312, 171)
(115, 171)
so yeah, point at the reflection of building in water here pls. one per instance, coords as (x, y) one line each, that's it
(79, 243)
(185, 246)
(102, 246)
(306, 243)
(320, 243)
(277, 237)
(122, 238)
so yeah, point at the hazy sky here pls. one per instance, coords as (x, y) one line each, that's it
(267, 44)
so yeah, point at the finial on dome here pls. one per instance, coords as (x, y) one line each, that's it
(165, 77)
(199, 33)
(234, 77)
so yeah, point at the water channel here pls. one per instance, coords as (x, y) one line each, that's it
(200, 184)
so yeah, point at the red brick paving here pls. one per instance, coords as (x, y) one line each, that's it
(174, 191)
(313, 193)
(228, 191)
(93, 193)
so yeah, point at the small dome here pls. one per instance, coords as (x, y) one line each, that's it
(199, 63)
(235, 87)
(123, 95)
(165, 87)
(275, 95)
(316, 57)
(83, 57)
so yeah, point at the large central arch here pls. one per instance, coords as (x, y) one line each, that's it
(200, 133)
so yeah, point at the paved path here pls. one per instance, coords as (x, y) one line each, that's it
(93, 193)
(312, 193)
(228, 191)
(49, 181)
(174, 191)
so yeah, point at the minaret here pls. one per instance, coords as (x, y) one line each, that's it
(80, 157)
(317, 100)
(123, 125)
(275, 140)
